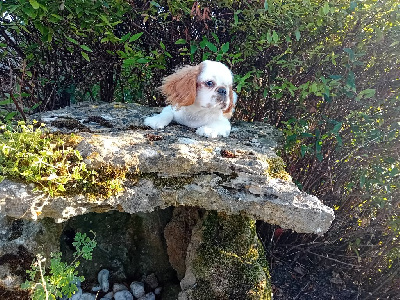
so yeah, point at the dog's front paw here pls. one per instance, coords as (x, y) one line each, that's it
(212, 132)
(156, 122)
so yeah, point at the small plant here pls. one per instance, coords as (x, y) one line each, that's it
(61, 279)
(33, 154)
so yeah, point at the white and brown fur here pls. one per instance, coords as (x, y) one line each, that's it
(200, 97)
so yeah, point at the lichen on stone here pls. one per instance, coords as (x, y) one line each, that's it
(277, 168)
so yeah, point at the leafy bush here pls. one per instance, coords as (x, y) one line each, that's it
(62, 278)
(325, 72)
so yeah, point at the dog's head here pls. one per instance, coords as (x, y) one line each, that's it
(207, 85)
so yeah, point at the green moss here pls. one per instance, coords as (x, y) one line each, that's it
(32, 154)
(232, 251)
(277, 168)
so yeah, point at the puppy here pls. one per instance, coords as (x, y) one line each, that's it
(200, 97)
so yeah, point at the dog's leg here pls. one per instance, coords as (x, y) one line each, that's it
(161, 120)
(221, 127)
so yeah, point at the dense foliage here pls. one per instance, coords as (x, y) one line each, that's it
(325, 72)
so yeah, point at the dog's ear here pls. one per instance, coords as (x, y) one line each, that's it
(228, 112)
(180, 88)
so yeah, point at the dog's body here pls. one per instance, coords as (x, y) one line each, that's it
(201, 97)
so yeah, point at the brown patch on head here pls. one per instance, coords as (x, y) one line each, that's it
(228, 112)
(180, 88)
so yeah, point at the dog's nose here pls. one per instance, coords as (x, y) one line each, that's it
(221, 91)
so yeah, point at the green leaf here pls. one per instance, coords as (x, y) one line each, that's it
(135, 36)
(58, 17)
(193, 49)
(162, 45)
(154, 3)
(275, 37)
(10, 116)
(306, 134)
(225, 47)
(236, 18)
(125, 37)
(215, 37)
(303, 150)
(339, 140)
(86, 48)
(368, 93)
(353, 5)
(362, 180)
(335, 77)
(297, 34)
(180, 42)
(5, 102)
(350, 52)
(143, 60)
(30, 12)
(269, 37)
(266, 5)
(34, 4)
(326, 8)
(394, 172)
(211, 46)
(351, 81)
(72, 40)
(85, 55)
(105, 20)
(318, 146)
(337, 127)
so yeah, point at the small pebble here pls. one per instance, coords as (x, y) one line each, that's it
(123, 295)
(108, 295)
(87, 296)
(102, 277)
(137, 289)
(119, 287)
(149, 296)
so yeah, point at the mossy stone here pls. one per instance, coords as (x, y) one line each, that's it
(230, 261)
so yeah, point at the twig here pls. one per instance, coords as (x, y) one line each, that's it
(41, 259)
(18, 107)
(302, 290)
(383, 283)
(335, 260)
(11, 43)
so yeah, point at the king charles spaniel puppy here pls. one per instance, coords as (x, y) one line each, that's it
(200, 97)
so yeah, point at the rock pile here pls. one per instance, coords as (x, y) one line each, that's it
(135, 291)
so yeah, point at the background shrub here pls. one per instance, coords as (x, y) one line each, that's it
(325, 72)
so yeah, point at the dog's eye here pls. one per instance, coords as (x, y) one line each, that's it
(209, 83)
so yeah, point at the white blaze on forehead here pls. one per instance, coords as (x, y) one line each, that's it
(213, 70)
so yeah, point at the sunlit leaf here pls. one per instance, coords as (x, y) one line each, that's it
(225, 47)
(86, 48)
(85, 55)
(297, 34)
(180, 42)
(34, 4)
(211, 46)
(135, 36)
